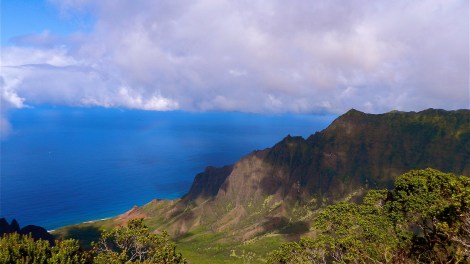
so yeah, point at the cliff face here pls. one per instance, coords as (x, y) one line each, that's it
(375, 149)
(207, 183)
(356, 151)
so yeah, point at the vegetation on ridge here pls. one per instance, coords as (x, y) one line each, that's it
(425, 219)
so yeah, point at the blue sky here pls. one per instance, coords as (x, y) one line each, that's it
(20, 18)
(249, 56)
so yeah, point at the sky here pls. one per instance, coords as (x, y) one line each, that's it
(300, 56)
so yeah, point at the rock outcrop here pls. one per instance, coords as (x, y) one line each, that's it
(36, 232)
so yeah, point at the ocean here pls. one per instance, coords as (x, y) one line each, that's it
(66, 165)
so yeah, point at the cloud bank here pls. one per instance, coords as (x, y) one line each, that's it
(254, 56)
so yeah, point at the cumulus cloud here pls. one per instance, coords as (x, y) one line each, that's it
(9, 99)
(255, 56)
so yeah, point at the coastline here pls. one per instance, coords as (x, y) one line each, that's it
(86, 222)
(92, 221)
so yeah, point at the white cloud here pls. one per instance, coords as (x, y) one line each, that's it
(155, 102)
(8, 99)
(9, 96)
(256, 56)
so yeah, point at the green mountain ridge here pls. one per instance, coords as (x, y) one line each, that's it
(272, 195)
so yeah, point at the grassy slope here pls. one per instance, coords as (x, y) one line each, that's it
(201, 245)
(206, 249)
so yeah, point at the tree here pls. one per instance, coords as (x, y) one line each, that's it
(135, 243)
(346, 232)
(436, 206)
(425, 218)
(17, 248)
(307, 250)
(131, 244)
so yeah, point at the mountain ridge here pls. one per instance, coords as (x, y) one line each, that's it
(357, 150)
(276, 191)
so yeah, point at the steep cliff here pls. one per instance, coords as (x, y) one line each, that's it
(264, 190)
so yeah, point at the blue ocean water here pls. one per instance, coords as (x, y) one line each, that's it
(63, 165)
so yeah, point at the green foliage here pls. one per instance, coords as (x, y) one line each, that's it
(307, 250)
(68, 252)
(346, 232)
(436, 206)
(426, 218)
(131, 244)
(357, 232)
(135, 243)
(15, 248)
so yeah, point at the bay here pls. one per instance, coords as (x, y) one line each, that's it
(66, 165)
